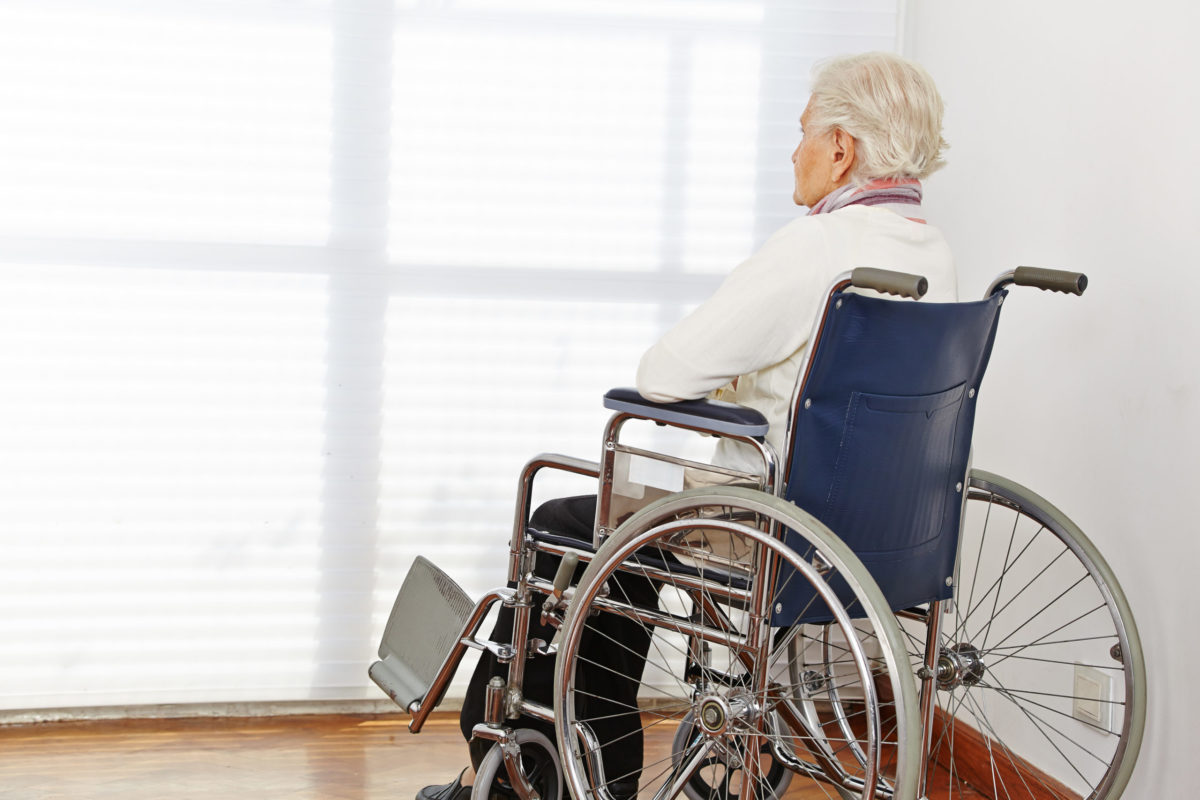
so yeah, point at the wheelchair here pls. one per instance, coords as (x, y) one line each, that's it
(869, 617)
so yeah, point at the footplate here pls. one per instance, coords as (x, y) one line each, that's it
(424, 626)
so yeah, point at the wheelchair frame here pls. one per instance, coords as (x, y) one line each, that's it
(920, 726)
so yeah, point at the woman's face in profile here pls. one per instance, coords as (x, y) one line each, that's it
(811, 163)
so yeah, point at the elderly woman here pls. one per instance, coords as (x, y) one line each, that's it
(870, 133)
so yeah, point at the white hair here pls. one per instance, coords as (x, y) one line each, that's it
(890, 106)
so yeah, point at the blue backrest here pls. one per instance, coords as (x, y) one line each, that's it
(881, 436)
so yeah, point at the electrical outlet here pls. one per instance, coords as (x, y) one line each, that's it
(1092, 697)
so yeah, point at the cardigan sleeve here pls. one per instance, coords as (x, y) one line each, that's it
(760, 315)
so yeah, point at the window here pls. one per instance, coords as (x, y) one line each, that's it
(289, 291)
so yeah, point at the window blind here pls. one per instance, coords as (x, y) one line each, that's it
(289, 291)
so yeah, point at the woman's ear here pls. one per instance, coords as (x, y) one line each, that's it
(843, 156)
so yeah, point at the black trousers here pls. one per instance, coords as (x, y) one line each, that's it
(606, 684)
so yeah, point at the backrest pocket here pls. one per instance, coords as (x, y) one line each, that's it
(891, 479)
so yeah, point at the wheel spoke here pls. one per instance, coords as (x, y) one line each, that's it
(1014, 761)
(1038, 641)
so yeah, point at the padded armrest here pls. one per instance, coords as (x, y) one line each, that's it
(708, 415)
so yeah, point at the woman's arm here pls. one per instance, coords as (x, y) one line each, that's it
(760, 315)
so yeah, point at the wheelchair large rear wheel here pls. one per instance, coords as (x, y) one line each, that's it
(716, 664)
(1039, 675)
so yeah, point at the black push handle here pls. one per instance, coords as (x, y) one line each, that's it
(889, 282)
(1051, 280)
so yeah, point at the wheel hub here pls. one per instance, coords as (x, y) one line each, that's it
(713, 715)
(960, 665)
(812, 682)
(718, 714)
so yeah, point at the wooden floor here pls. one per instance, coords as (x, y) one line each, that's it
(297, 757)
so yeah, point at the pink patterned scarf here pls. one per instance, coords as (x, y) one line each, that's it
(901, 195)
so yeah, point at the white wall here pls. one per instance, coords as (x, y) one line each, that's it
(1074, 129)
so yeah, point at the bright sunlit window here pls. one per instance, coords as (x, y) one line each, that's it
(289, 291)
(188, 125)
